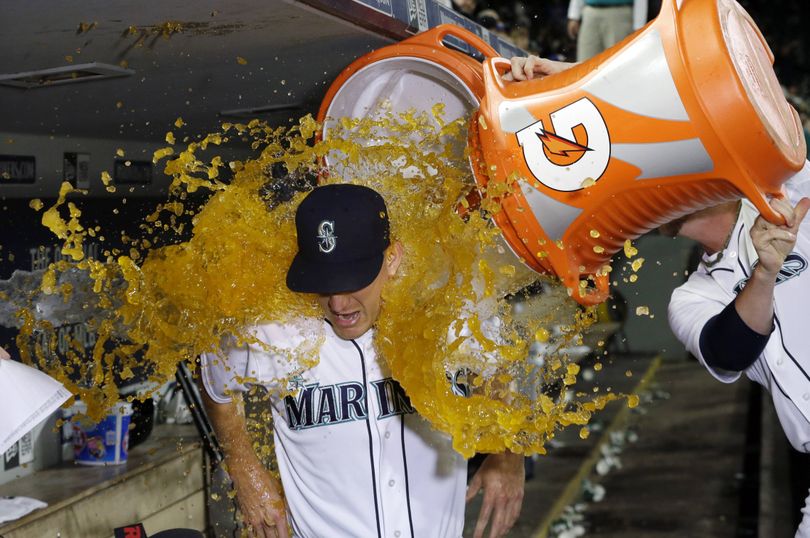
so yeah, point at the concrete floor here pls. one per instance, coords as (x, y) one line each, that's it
(680, 478)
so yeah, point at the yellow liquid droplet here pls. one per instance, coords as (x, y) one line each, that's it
(542, 335)
(629, 249)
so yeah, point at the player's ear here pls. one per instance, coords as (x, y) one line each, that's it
(393, 258)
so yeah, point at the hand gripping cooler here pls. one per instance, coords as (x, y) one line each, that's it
(684, 114)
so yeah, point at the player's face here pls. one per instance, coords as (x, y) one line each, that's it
(353, 313)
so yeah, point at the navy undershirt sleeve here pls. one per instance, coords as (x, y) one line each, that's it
(727, 343)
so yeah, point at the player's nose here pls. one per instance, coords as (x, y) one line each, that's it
(339, 302)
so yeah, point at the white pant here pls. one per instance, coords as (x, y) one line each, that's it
(601, 28)
(804, 527)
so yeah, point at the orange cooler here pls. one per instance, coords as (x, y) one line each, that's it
(684, 114)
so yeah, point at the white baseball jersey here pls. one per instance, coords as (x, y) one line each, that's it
(784, 365)
(354, 457)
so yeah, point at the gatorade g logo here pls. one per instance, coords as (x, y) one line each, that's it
(574, 148)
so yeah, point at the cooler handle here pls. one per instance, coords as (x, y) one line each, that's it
(763, 205)
(493, 81)
(589, 296)
(434, 36)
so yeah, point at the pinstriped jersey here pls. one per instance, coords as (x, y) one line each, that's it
(354, 457)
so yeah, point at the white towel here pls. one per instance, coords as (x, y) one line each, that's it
(27, 397)
(12, 508)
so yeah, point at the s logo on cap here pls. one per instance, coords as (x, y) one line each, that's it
(327, 237)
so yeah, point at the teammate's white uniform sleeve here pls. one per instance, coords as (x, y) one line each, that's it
(798, 186)
(692, 305)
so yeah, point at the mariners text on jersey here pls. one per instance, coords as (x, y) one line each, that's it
(333, 404)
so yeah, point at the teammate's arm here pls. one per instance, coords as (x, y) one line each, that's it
(773, 243)
(733, 339)
(259, 494)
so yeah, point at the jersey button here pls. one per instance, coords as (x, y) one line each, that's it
(397, 533)
(779, 362)
(806, 396)
(391, 482)
(387, 435)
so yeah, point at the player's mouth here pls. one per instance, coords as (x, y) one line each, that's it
(346, 320)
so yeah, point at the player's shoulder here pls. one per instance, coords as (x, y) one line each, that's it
(288, 334)
(700, 284)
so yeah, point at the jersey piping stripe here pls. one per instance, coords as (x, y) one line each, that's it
(407, 483)
(789, 354)
(370, 442)
(776, 382)
(745, 272)
(721, 269)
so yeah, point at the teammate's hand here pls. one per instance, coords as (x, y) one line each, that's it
(502, 477)
(533, 66)
(4, 354)
(774, 242)
(573, 28)
(261, 502)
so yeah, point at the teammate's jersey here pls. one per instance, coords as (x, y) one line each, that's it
(784, 365)
(354, 457)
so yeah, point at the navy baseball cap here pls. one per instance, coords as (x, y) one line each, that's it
(343, 232)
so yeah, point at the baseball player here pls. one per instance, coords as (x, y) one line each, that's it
(354, 457)
(744, 309)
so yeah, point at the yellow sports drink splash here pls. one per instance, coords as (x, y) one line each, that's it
(173, 303)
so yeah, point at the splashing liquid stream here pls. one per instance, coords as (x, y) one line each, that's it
(164, 305)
